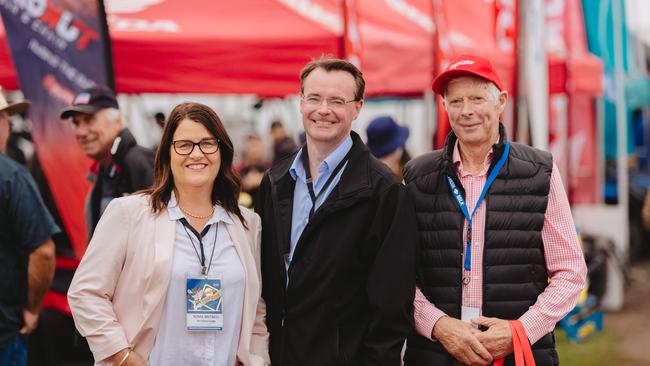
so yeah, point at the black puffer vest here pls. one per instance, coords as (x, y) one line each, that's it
(514, 269)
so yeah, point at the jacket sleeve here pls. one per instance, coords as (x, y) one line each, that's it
(91, 291)
(259, 348)
(391, 279)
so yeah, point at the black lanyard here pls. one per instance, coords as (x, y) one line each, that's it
(186, 225)
(305, 164)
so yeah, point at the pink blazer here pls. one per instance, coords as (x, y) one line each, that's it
(118, 292)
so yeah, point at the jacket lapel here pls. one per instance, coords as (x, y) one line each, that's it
(243, 249)
(354, 186)
(282, 186)
(164, 236)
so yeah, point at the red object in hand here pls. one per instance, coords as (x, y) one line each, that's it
(522, 350)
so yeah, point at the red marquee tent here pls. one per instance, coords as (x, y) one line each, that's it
(396, 46)
(259, 46)
(575, 79)
(220, 47)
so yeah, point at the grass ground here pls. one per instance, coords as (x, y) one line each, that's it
(600, 349)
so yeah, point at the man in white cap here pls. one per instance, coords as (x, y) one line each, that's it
(26, 248)
(497, 240)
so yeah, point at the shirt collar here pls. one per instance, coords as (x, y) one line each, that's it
(331, 161)
(458, 163)
(175, 213)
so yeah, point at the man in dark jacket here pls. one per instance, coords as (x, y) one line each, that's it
(121, 165)
(495, 225)
(338, 237)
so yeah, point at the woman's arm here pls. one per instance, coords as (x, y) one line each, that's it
(91, 291)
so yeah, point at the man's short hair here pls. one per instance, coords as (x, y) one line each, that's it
(333, 64)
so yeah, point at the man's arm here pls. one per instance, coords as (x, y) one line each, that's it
(458, 337)
(40, 273)
(565, 264)
(34, 228)
(566, 268)
(391, 279)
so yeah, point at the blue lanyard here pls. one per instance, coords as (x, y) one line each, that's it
(463, 206)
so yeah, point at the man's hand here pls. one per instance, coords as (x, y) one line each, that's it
(460, 340)
(498, 338)
(30, 318)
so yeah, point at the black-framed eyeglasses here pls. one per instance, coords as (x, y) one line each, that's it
(185, 147)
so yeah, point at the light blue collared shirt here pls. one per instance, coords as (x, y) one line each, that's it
(174, 344)
(301, 199)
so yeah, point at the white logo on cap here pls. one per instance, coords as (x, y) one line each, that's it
(82, 98)
(460, 63)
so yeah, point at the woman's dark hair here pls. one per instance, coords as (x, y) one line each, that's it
(227, 184)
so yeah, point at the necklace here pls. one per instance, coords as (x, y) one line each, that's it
(197, 216)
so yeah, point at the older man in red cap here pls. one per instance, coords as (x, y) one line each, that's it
(497, 240)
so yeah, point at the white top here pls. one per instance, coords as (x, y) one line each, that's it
(174, 344)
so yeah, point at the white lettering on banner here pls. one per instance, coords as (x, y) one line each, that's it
(58, 26)
(47, 33)
(35, 8)
(316, 13)
(412, 13)
(54, 61)
(65, 29)
(44, 53)
(142, 25)
(10, 6)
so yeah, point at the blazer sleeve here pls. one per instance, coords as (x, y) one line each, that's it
(391, 279)
(91, 291)
(259, 348)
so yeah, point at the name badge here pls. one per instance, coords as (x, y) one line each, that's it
(204, 303)
(468, 313)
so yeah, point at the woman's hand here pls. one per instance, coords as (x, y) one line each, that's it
(133, 359)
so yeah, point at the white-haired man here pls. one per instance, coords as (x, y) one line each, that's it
(121, 165)
(495, 226)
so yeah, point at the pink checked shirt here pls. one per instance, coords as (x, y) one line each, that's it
(565, 262)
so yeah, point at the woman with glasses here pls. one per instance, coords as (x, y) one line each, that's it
(171, 275)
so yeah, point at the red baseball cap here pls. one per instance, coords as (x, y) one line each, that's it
(466, 65)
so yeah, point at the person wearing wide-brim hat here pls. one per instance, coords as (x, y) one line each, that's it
(387, 142)
(26, 248)
(7, 110)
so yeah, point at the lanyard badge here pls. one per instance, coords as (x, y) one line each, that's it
(460, 200)
(204, 291)
(204, 296)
